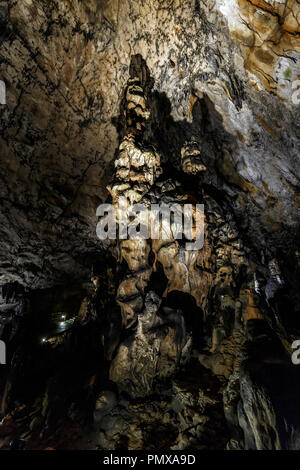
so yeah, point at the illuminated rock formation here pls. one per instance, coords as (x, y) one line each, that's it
(201, 274)
(191, 159)
(171, 103)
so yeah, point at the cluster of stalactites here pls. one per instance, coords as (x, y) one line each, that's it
(191, 161)
(136, 172)
(136, 109)
(136, 168)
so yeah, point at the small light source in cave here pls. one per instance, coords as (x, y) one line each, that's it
(43, 340)
(63, 317)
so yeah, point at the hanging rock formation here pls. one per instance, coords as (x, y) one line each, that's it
(144, 343)
(211, 309)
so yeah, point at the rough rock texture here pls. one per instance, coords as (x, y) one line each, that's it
(65, 65)
(142, 343)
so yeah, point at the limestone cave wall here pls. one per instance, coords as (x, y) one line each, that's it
(142, 343)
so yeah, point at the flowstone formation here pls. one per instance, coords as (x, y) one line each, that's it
(206, 309)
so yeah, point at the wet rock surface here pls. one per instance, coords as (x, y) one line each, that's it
(143, 343)
(225, 76)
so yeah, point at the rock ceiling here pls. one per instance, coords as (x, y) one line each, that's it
(163, 102)
(224, 72)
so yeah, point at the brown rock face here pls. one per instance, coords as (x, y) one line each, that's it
(268, 30)
(150, 341)
(218, 286)
(65, 66)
